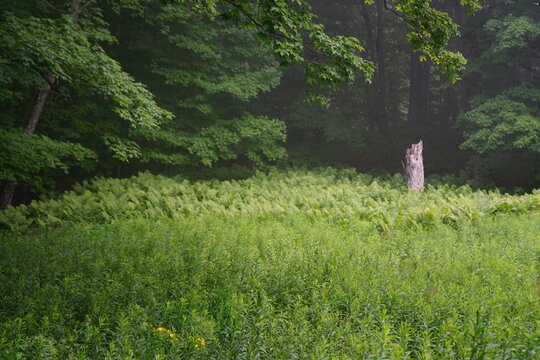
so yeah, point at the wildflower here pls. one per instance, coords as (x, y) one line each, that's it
(201, 342)
(168, 332)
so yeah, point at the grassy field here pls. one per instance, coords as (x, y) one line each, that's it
(298, 265)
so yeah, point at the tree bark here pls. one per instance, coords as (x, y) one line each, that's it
(449, 109)
(372, 54)
(7, 196)
(40, 104)
(380, 100)
(418, 90)
(414, 167)
(369, 34)
(51, 82)
(76, 10)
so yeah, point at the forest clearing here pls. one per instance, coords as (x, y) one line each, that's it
(270, 179)
(325, 264)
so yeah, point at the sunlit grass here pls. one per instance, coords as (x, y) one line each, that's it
(272, 287)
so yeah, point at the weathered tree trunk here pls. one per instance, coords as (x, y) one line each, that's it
(414, 167)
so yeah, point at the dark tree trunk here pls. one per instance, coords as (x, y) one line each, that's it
(372, 54)
(369, 33)
(9, 189)
(7, 196)
(419, 91)
(450, 108)
(414, 167)
(380, 99)
(453, 97)
(76, 11)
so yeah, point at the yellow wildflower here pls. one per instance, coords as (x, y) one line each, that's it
(168, 332)
(201, 342)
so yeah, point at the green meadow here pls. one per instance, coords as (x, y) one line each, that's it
(324, 264)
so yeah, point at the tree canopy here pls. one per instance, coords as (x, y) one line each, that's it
(291, 29)
(113, 87)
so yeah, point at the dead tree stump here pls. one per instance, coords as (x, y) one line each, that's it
(414, 167)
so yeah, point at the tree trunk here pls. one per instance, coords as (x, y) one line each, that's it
(40, 104)
(76, 11)
(380, 100)
(418, 90)
(7, 196)
(414, 167)
(450, 108)
(372, 110)
(369, 34)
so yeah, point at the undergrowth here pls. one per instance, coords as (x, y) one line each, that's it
(327, 193)
(272, 288)
(285, 265)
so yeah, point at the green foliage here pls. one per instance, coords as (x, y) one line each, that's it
(291, 30)
(509, 47)
(268, 288)
(65, 52)
(219, 59)
(324, 264)
(502, 123)
(510, 34)
(123, 150)
(72, 54)
(507, 122)
(251, 136)
(208, 88)
(431, 31)
(29, 160)
(325, 194)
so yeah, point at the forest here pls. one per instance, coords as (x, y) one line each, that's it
(114, 88)
(225, 179)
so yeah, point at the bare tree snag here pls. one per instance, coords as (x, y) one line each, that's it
(414, 167)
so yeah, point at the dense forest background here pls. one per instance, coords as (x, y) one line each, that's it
(139, 86)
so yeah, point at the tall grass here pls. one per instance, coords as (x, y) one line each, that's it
(286, 265)
(272, 288)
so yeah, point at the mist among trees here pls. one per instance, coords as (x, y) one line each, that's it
(112, 88)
